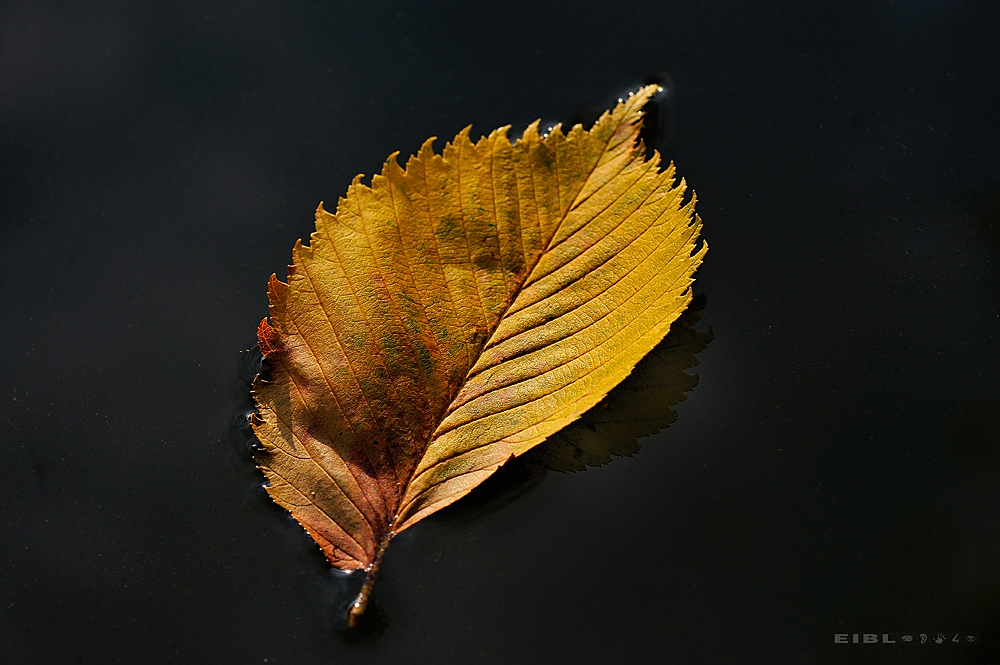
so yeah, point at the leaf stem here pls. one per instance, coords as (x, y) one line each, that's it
(361, 602)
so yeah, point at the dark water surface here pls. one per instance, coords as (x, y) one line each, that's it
(834, 472)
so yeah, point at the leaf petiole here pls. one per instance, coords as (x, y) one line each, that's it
(361, 602)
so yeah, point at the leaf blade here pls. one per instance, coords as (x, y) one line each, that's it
(458, 311)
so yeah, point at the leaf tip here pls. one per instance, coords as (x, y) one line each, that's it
(426, 149)
(391, 169)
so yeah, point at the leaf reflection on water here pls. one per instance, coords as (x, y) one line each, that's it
(640, 405)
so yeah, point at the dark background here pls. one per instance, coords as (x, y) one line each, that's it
(835, 471)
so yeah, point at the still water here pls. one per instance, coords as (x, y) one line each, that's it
(833, 471)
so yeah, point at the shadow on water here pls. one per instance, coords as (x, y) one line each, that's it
(639, 406)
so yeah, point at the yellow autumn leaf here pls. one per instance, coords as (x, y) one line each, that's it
(457, 313)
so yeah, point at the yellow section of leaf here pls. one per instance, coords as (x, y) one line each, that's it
(637, 407)
(459, 311)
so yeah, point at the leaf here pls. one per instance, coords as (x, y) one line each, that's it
(458, 312)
